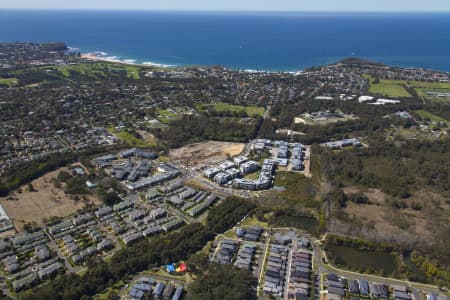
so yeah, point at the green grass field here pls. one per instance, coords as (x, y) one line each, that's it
(252, 221)
(423, 87)
(253, 176)
(425, 115)
(443, 100)
(84, 69)
(8, 81)
(167, 116)
(100, 69)
(388, 88)
(133, 72)
(92, 71)
(395, 88)
(130, 139)
(305, 120)
(251, 110)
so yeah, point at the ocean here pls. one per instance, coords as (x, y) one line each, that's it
(257, 41)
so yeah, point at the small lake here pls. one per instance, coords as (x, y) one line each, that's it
(358, 259)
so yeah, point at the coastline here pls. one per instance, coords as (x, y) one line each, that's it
(105, 57)
(89, 56)
(280, 42)
(102, 56)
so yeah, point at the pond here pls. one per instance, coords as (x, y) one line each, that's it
(355, 259)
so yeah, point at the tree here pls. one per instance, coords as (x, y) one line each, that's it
(223, 282)
(111, 198)
(197, 262)
(30, 187)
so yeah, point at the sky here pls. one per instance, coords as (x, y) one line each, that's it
(236, 5)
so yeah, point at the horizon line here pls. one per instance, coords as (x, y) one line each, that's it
(227, 10)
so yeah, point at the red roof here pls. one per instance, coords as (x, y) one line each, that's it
(182, 267)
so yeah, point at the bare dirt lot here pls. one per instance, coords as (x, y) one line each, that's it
(46, 201)
(206, 153)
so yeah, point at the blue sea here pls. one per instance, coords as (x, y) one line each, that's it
(258, 41)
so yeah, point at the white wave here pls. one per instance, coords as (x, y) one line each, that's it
(99, 53)
(116, 59)
(254, 71)
(153, 64)
(266, 71)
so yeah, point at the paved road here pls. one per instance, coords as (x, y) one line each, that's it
(319, 265)
(327, 268)
(52, 245)
(176, 212)
(261, 273)
(323, 267)
(221, 191)
(267, 112)
(5, 288)
(123, 293)
(112, 238)
(288, 273)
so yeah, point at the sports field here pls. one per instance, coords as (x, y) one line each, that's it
(8, 81)
(131, 140)
(396, 88)
(100, 69)
(425, 115)
(388, 88)
(220, 106)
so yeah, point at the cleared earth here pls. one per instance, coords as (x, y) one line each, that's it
(205, 153)
(44, 202)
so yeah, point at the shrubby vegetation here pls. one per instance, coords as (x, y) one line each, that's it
(297, 189)
(31, 227)
(223, 282)
(16, 177)
(228, 113)
(432, 268)
(370, 120)
(228, 213)
(397, 170)
(106, 191)
(33, 170)
(76, 186)
(356, 243)
(73, 185)
(206, 127)
(292, 218)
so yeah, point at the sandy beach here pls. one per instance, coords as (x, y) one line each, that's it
(89, 56)
(114, 59)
